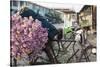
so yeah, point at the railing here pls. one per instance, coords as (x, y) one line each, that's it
(79, 54)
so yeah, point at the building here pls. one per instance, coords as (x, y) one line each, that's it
(87, 17)
(50, 14)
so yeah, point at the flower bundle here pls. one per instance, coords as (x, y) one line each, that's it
(28, 37)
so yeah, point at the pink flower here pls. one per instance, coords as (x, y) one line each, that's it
(27, 36)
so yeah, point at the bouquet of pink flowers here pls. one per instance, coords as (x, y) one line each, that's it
(28, 37)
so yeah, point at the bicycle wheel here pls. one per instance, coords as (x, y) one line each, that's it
(91, 53)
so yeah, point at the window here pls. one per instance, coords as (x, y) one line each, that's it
(15, 3)
(22, 3)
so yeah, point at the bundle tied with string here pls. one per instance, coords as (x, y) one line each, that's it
(28, 37)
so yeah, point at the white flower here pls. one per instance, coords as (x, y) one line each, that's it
(77, 37)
